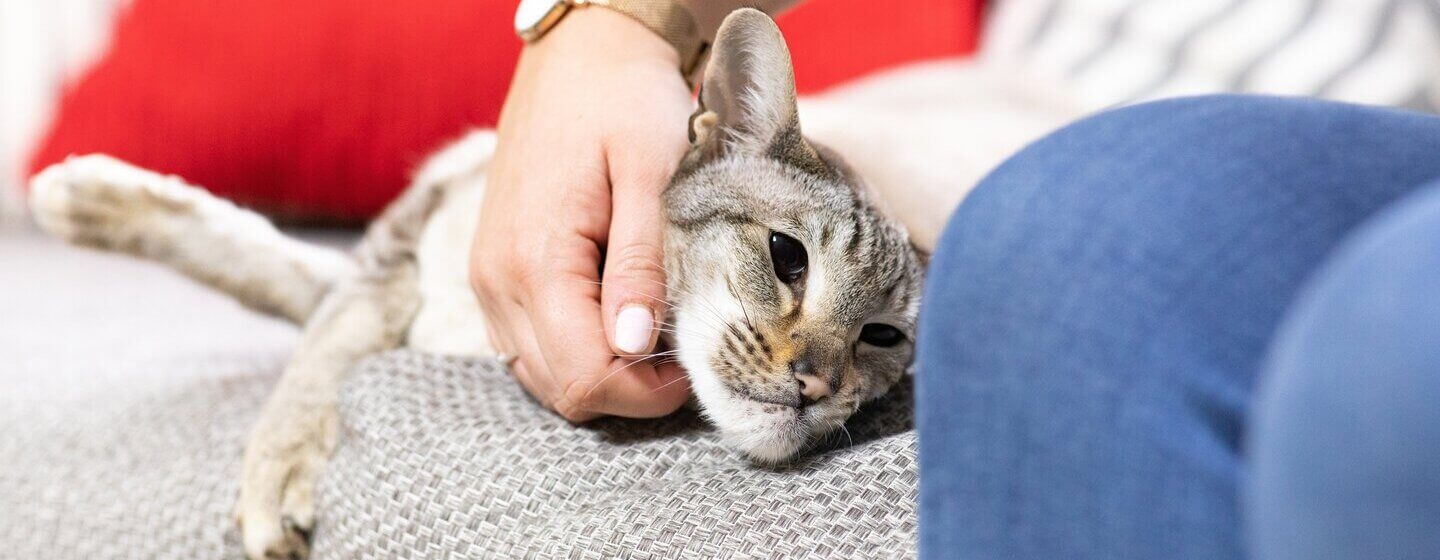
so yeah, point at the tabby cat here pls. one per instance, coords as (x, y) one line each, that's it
(793, 299)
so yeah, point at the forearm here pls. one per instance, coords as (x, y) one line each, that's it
(709, 13)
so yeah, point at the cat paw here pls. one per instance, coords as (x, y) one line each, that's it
(276, 509)
(101, 201)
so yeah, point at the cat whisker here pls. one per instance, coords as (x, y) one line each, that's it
(707, 306)
(731, 286)
(676, 380)
(662, 284)
(675, 291)
(665, 354)
(662, 329)
(611, 374)
(668, 289)
(703, 305)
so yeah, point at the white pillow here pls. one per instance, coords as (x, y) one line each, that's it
(1110, 52)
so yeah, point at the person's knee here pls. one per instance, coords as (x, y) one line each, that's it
(1072, 248)
(1118, 196)
(1185, 146)
(1346, 445)
(1110, 255)
(1084, 171)
(1129, 193)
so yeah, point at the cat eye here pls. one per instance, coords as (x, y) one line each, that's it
(884, 336)
(788, 256)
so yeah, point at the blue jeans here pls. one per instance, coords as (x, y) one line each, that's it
(1200, 328)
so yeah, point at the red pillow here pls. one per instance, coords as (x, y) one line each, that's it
(318, 110)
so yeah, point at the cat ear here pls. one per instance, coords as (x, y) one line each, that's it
(747, 100)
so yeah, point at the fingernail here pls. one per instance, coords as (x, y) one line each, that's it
(632, 328)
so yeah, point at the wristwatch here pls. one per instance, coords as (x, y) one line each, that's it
(667, 18)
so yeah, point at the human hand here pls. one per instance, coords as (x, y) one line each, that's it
(591, 131)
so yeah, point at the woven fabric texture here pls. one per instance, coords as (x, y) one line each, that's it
(118, 445)
(450, 457)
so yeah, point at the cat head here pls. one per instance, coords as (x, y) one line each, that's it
(794, 298)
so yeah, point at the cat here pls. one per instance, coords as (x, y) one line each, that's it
(793, 298)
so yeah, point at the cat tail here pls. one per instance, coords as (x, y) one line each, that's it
(102, 202)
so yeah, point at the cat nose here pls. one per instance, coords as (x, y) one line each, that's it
(812, 386)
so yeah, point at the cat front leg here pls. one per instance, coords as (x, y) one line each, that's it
(299, 425)
(283, 461)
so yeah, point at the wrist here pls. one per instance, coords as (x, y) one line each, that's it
(606, 33)
(708, 14)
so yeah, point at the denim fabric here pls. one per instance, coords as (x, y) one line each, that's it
(1099, 308)
(1345, 445)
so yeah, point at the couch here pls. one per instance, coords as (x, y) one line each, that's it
(126, 394)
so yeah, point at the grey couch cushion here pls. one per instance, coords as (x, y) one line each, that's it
(126, 394)
(450, 456)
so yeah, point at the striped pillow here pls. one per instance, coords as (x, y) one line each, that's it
(1111, 52)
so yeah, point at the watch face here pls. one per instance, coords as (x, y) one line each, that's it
(532, 12)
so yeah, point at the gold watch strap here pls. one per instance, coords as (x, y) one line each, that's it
(672, 22)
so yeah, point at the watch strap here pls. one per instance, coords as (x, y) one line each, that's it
(672, 21)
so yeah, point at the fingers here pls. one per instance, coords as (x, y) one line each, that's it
(564, 374)
(532, 369)
(542, 226)
(637, 389)
(544, 308)
(564, 307)
(633, 294)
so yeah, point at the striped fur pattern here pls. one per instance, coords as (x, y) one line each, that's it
(776, 364)
(742, 332)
